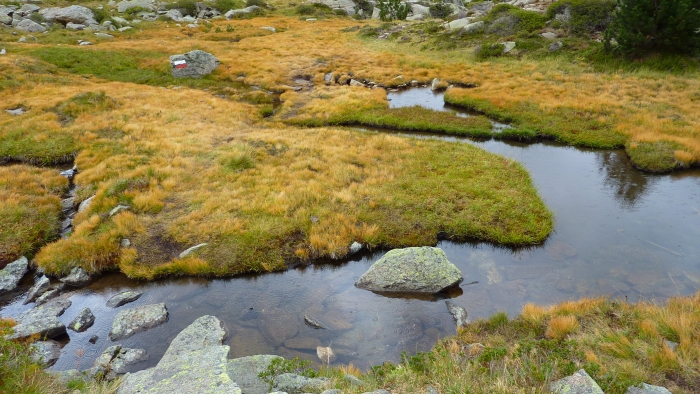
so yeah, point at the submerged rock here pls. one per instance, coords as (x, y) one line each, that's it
(123, 298)
(411, 270)
(83, 321)
(45, 353)
(244, 371)
(194, 64)
(12, 274)
(41, 320)
(458, 313)
(195, 362)
(578, 383)
(77, 277)
(313, 322)
(131, 321)
(40, 287)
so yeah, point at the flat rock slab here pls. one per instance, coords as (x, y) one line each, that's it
(131, 321)
(297, 384)
(411, 270)
(194, 64)
(41, 320)
(123, 298)
(45, 353)
(12, 274)
(244, 371)
(578, 383)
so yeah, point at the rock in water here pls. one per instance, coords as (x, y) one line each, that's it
(126, 358)
(83, 321)
(123, 298)
(195, 362)
(77, 277)
(326, 354)
(244, 371)
(578, 383)
(411, 270)
(45, 353)
(131, 321)
(41, 320)
(193, 64)
(12, 274)
(313, 322)
(458, 313)
(39, 288)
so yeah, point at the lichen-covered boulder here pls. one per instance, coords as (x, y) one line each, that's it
(578, 383)
(131, 321)
(45, 353)
(41, 320)
(244, 371)
(124, 297)
(12, 274)
(195, 362)
(194, 64)
(40, 287)
(411, 270)
(83, 321)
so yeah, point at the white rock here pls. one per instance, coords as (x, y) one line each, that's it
(549, 35)
(508, 46)
(269, 28)
(192, 249)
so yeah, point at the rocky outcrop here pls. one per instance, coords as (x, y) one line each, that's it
(77, 277)
(75, 14)
(131, 321)
(41, 321)
(243, 11)
(12, 274)
(578, 383)
(195, 362)
(83, 321)
(123, 298)
(194, 64)
(45, 353)
(411, 270)
(346, 5)
(458, 313)
(30, 26)
(125, 5)
(40, 287)
(244, 371)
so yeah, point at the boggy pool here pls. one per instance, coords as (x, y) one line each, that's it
(618, 231)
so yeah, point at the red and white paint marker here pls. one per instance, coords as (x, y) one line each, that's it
(180, 63)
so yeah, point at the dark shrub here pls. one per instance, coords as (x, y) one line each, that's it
(583, 16)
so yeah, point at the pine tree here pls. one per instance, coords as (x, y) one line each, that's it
(656, 25)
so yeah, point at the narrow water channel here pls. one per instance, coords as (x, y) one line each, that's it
(618, 231)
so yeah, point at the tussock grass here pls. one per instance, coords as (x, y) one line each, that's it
(619, 344)
(30, 209)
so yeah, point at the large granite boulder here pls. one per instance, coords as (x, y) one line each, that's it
(243, 11)
(45, 353)
(41, 321)
(193, 64)
(12, 274)
(124, 297)
(578, 383)
(195, 362)
(411, 270)
(131, 321)
(244, 371)
(76, 14)
(30, 26)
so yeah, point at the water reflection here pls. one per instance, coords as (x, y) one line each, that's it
(627, 184)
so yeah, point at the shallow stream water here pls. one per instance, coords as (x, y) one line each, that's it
(618, 231)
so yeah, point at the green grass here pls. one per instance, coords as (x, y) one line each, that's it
(654, 156)
(33, 145)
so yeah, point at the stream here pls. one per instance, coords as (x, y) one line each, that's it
(618, 232)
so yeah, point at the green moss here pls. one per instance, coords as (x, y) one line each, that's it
(655, 156)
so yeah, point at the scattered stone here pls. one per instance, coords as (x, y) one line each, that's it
(125, 5)
(647, 389)
(269, 28)
(75, 26)
(459, 23)
(313, 322)
(578, 383)
(414, 270)
(671, 345)
(45, 353)
(559, 251)
(41, 320)
(104, 359)
(193, 64)
(118, 209)
(195, 362)
(508, 46)
(333, 391)
(16, 111)
(39, 288)
(294, 384)
(555, 46)
(75, 14)
(93, 339)
(125, 28)
(22, 39)
(2, 51)
(123, 298)
(77, 277)
(125, 243)
(174, 15)
(458, 313)
(353, 380)
(354, 82)
(50, 294)
(474, 27)
(12, 274)
(85, 204)
(30, 26)
(83, 321)
(234, 13)
(346, 5)
(549, 35)
(244, 371)
(131, 321)
(326, 354)
(191, 250)
(84, 43)
(104, 35)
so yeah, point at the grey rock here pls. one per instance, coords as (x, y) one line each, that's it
(411, 270)
(196, 64)
(45, 353)
(508, 46)
(75, 14)
(125, 243)
(578, 383)
(22, 39)
(234, 13)
(195, 362)
(191, 250)
(244, 371)
(131, 321)
(16, 111)
(458, 313)
(93, 339)
(120, 20)
(85, 204)
(549, 35)
(333, 391)
(104, 35)
(647, 389)
(44, 298)
(12, 274)
(83, 321)
(269, 28)
(30, 26)
(125, 28)
(431, 390)
(353, 380)
(354, 82)
(123, 298)
(75, 26)
(174, 15)
(297, 384)
(555, 46)
(346, 5)
(126, 358)
(355, 247)
(67, 376)
(313, 322)
(77, 277)
(118, 209)
(418, 9)
(84, 43)
(41, 320)
(109, 354)
(67, 203)
(2, 51)
(474, 27)
(459, 23)
(40, 287)
(125, 5)
(671, 345)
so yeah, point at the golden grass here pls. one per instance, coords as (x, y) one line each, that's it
(561, 326)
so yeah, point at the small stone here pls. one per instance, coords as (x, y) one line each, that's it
(353, 380)
(16, 111)
(77, 277)
(85, 43)
(578, 383)
(123, 298)
(93, 339)
(354, 82)
(126, 358)
(671, 345)
(549, 35)
(50, 294)
(85, 204)
(508, 46)
(191, 250)
(125, 243)
(293, 383)
(555, 46)
(194, 64)
(244, 371)
(647, 389)
(2, 51)
(83, 321)
(104, 35)
(458, 313)
(313, 322)
(41, 320)
(118, 209)
(269, 28)
(39, 288)
(22, 39)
